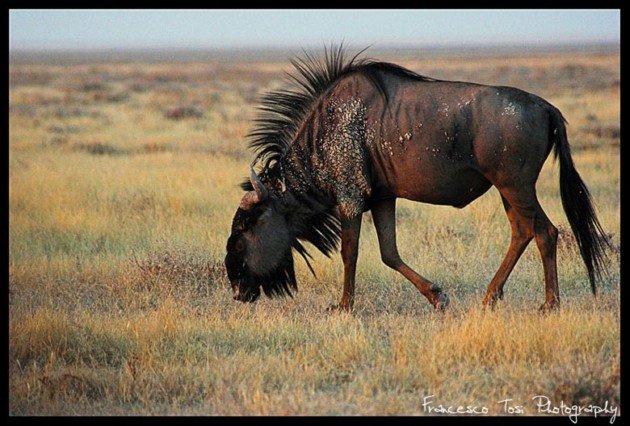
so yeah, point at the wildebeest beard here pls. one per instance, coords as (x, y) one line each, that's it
(279, 281)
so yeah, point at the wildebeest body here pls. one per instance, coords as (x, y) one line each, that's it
(358, 136)
(434, 142)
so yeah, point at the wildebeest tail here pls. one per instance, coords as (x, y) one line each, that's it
(576, 201)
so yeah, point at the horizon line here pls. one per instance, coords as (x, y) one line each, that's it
(373, 46)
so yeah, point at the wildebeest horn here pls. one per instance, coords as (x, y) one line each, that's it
(260, 189)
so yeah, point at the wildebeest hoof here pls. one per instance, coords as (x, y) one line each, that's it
(549, 307)
(491, 301)
(437, 297)
(338, 308)
(442, 302)
(435, 288)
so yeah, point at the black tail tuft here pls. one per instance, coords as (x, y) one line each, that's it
(577, 204)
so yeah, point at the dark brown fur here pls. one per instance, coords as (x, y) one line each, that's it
(362, 135)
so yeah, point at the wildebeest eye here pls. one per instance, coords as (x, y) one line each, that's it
(239, 246)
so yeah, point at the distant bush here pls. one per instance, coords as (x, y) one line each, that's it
(98, 148)
(609, 132)
(110, 97)
(154, 147)
(179, 113)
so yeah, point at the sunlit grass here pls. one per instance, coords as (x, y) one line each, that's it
(119, 303)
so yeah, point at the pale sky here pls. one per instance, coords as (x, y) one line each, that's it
(116, 29)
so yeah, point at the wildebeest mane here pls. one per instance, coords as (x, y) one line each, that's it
(282, 111)
(280, 116)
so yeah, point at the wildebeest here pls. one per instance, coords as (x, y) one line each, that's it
(353, 136)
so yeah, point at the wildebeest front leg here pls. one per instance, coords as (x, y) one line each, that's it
(350, 231)
(384, 215)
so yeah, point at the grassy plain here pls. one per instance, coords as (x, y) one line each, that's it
(122, 186)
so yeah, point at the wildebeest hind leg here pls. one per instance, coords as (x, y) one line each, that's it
(546, 240)
(528, 220)
(384, 215)
(521, 220)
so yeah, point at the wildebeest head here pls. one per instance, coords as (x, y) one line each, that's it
(259, 247)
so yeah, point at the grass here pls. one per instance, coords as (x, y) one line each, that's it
(119, 303)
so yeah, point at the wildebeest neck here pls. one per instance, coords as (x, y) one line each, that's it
(328, 158)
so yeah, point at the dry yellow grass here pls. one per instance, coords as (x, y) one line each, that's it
(119, 304)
